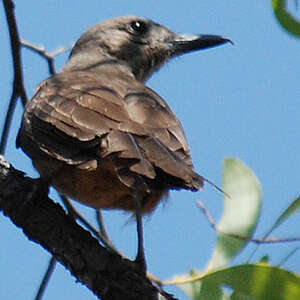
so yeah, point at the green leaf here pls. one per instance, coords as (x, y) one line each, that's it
(191, 289)
(198, 290)
(209, 290)
(239, 296)
(241, 211)
(286, 20)
(292, 208)
(257, 281)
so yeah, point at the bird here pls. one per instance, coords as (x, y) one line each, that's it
(99, 134)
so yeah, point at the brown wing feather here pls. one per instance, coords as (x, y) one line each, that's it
(107, 116)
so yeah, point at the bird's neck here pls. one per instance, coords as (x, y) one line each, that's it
(96, 63)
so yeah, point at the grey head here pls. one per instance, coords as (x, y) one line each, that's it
(134, 45)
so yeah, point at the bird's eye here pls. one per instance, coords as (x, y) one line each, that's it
(139, 27)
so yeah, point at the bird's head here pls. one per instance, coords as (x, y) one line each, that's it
(138, 45)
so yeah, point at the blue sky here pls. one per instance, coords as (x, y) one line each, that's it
(233, 101)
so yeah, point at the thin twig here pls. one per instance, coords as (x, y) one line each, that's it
(104, 239)
(102, 229)
(244, 238)
(16, 50)
(7, 122)
(46, 279)
(285, 259)
(18, 86)
(76, 215)
(48, 56)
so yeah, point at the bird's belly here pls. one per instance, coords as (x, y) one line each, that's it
(101, 188)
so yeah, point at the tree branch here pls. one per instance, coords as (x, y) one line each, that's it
(48, 56)
(266, 240)
(24, 200)
(18, 86)
(16, 50)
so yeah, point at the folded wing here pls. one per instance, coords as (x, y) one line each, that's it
(78, 118)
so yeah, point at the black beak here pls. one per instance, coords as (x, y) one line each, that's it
(184, 43)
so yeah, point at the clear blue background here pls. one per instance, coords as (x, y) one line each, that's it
(241, 101)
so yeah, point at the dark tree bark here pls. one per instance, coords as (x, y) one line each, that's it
(109, 276)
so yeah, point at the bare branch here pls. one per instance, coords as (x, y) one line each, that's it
(18, 86)
(48, 56)
(7, 122)
(244, 238)
(109, 276)
(15, 44)
(287, 257)
(46, 279)
(103, 232)
(76, 215)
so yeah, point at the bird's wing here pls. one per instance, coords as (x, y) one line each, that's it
(77, 118)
